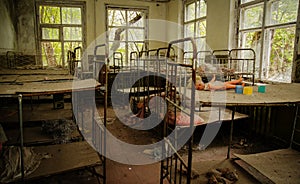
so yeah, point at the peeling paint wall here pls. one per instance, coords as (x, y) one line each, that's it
(8, 30)
(26, 27)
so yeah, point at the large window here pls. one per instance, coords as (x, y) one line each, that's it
(195, 22)
(269, 26)
(127, 30)
(60, 29)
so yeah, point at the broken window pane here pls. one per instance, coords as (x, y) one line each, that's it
(51, 54)
(125, 26)
(116, 17)
(274, 52)
(116, 34)
(135, 46)
(252, 39)
(135, 18)
(281, 42)
(71, 15)
(136, 35)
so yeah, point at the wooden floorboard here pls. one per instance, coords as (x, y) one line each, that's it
(65, 157)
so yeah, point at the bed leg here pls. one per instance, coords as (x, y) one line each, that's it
(231, 132)
(20, 98)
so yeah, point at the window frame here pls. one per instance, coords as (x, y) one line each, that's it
(60, 26)
(127, 27)
(265, 48)
(195, 20)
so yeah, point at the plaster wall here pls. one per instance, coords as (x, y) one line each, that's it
(26, 27)
(8, 31)
(218, 24)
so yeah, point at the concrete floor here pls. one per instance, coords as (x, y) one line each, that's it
(203, 161)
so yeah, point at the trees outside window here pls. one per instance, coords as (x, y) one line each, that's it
(269, 26)
(195, 22)
(126, 29)
(60, 29)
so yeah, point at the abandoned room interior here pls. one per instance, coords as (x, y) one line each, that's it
(150, 91)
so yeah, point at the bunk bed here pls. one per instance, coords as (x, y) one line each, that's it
(100, 65)
(70, 156)
(186, 101)
(226, 64)
(150, 72)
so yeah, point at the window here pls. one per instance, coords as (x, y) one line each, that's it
(195, 22)
(60, 29)
(271, 34)
(127, 30)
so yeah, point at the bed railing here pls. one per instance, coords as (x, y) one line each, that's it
(117, 62)
(177, 76)
(242, 62)
(173, 168)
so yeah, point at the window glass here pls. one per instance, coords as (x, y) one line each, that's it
(50, 33)
(71, 15)
(252, 17)
(201, 28)
(189, 30)
(246, 1)
(281, 53)
(49, 15)
(195, 24)
(72, 33)
(274, 52)
(190, 12)
(283, 11)
(61, 31)
(201, 9)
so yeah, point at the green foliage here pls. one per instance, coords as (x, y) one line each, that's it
(52, 48)
(279, 39)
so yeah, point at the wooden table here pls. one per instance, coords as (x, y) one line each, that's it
(69, 156)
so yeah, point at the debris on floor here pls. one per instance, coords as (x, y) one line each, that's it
(60, 129)
(156, 153)
(194, 173)
(10, 162)
(222, 175)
